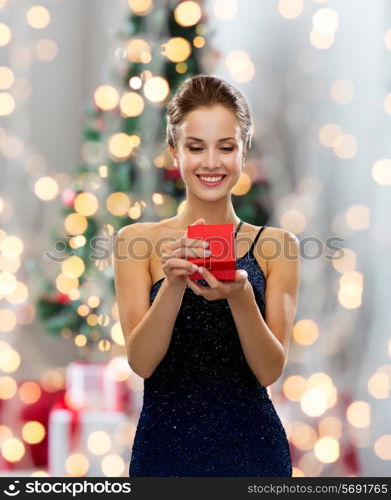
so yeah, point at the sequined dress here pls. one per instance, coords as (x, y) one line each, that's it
(204, 412)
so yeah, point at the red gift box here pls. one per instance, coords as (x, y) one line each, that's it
(222, 260)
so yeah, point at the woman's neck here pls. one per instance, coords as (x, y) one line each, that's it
(212, 212)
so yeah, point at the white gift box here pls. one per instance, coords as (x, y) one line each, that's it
(67, 453)
(100, 387)
(90, 385)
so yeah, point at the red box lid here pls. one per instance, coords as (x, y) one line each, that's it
(221, 244)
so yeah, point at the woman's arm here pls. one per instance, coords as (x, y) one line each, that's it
(265, 343)
(147, 337)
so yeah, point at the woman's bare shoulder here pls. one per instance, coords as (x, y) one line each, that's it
(142, 233)
(139, 237)
(276, 243)
(267, 233)
(136, 228)
(280, 234)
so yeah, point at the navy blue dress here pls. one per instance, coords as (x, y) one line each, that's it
(204, 412)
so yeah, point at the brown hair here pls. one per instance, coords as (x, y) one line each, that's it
(205, 90)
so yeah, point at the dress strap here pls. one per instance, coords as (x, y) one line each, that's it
(238, 228)
(256, 239)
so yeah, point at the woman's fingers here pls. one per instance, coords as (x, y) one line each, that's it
(193, 247)
(186, 247)
(180, 264)
(241, 275)
(184, 242)
(182, 272)
(201, 220)
(191, 242)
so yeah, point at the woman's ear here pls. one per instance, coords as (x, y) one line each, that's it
(173, 154)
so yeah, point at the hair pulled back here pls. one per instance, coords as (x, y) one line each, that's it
(207, 91)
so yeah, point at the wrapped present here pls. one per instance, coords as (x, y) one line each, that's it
(89, 443)
(222, 261)
(24, 417)
(99, 386)
(91, 428)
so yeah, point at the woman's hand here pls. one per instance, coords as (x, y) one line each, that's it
(219, 289)
(175, 253)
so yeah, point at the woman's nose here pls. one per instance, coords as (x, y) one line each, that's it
(212, 158)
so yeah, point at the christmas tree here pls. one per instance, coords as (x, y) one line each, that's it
(127, 172)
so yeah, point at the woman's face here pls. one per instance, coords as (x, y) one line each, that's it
(209, 145)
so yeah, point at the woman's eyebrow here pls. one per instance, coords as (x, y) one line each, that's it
(219, 140)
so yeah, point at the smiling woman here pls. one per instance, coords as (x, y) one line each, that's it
(208, 349)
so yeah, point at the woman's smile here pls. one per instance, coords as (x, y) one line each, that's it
(211, 180)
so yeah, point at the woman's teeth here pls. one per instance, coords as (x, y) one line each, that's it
(211, 179)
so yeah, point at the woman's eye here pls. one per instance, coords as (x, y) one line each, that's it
(199, 149)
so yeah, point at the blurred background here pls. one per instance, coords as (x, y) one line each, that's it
(83, 90)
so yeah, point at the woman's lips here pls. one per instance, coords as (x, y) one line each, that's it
(211, 184)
